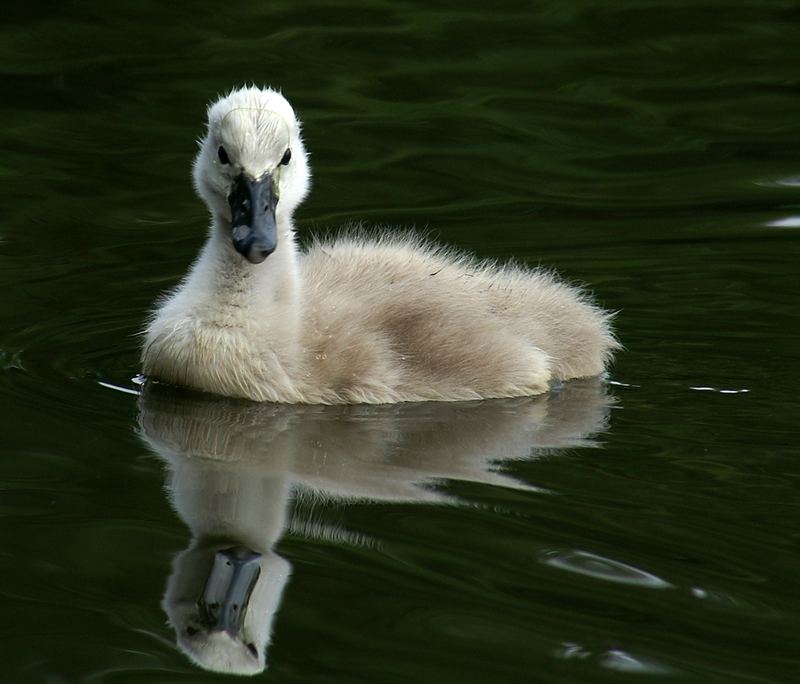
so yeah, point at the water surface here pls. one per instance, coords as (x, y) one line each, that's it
(648, 149)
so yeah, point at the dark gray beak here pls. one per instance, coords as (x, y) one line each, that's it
(253, 202)
(228, 588)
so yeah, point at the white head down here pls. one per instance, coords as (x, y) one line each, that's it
(252, 169)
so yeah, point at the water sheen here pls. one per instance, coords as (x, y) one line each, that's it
(641, 530)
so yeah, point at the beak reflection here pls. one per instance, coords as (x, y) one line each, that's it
(228, 587)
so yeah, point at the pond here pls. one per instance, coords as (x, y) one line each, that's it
(643, 527)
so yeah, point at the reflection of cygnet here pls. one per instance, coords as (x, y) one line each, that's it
(226, 587)
(234, 467)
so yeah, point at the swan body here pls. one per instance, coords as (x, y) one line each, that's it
(354, 319)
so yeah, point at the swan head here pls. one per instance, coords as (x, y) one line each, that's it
(252, 170)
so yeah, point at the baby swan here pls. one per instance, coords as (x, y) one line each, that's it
(353, 320)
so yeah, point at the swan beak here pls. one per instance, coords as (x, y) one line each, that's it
(228, 588)
(253, 202)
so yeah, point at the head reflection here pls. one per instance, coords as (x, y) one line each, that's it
(233, 468)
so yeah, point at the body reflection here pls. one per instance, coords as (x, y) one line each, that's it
(234, 467)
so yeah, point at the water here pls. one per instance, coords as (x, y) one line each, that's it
(645, 530)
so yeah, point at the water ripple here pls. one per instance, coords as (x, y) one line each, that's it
(592, 565)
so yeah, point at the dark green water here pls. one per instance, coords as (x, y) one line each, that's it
(645, 531)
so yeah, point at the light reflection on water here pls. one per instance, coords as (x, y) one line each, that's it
(592, 565)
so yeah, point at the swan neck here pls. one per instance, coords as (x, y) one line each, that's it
(277, 274)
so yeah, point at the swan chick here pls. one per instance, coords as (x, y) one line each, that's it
(354, 319)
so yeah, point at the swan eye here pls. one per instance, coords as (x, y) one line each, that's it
(223, 155)
(286, 157)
